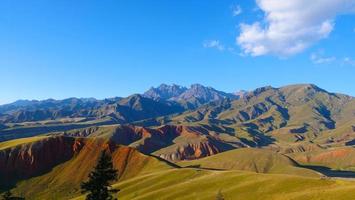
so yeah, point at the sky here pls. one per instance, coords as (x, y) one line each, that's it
(107, 48)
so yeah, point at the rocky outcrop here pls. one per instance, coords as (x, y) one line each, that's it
(61, 163)
(165, 92)
(191, 151)
(336, 158)
(31, 159)
(177, 142)
(173, 142)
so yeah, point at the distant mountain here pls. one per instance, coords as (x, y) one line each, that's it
(303, 111)
(165, 92)
(190, 98)
(136, 107)
(122, 110)
(198, 95)
(23, 110)
(240, 94)
(48, 103)
(163, 100)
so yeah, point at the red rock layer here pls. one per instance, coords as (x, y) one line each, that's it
(38, 157)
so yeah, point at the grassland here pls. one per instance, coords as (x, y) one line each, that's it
(12, 143)
(242, 174)
(234, 185)
(31, 129)
(251, 159)
(280, 179)
(63, 181)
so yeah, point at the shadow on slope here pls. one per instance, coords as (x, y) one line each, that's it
(22, 132)
(330, 172)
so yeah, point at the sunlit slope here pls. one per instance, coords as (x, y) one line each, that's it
(288, 114)
(168, 141)
(250, 159)
(12, 143)
(42, 179)
(31, 129)
(341, 158)
(191, 184)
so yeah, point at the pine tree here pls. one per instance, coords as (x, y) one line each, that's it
(98, 184)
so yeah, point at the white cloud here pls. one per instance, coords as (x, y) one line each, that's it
(318, 58)
(236, 10)
(213, 44)
(291, 26)
(349, 61)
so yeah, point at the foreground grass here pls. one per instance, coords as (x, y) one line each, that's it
(205, 184)
(12, 143)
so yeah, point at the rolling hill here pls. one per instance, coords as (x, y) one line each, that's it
(250, 159)
(54, 167)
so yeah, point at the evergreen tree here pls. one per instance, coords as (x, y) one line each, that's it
(98, 184)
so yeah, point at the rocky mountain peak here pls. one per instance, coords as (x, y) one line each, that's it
(165, 91)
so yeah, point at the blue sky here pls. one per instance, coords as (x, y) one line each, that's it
(60, 49)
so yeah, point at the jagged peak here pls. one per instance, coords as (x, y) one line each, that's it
(164, 91)
(163, 85)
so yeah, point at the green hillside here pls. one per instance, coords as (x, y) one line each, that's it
(186, 184)
(250, 159)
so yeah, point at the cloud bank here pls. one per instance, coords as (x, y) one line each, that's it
(289, 27)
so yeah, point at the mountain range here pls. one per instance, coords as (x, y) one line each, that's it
(159, 101)
(300, 129)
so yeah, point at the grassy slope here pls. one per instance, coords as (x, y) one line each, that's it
(303, 103)
(63, 181)
(341, 158)
(25, 130)
(256, 160)
(144, 177)
(12, 143)
(204, 184)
